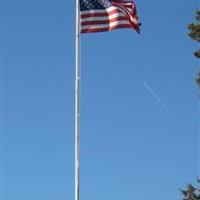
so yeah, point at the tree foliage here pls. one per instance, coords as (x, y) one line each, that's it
(191, 192)
(195, 35)
(195, 32)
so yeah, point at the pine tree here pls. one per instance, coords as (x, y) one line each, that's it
(191, 192)
(195, 35)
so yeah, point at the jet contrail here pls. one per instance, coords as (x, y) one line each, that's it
(160, 101)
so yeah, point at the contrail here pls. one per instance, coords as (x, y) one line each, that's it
(160, 102)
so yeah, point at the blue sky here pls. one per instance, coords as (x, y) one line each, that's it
(139, 104)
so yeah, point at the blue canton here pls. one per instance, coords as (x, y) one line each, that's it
(94, 4)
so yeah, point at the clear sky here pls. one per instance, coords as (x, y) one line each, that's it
(139, 104)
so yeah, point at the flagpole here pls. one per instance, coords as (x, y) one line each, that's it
(77, 102)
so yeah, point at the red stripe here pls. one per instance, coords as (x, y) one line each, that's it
(123, 1)
(108, 21)
(106, 29)
(127, 6)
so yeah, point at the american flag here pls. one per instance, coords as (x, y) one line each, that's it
(107, 15)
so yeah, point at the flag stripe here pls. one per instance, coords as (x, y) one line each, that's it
(106, 29)
(96, 18)
(100, 14)
(104, 21)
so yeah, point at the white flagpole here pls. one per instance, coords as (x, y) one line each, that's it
(77, 101)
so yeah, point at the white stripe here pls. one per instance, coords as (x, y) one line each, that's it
(126, 4)
(134, 20)
(103, 18)
(96, 26)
